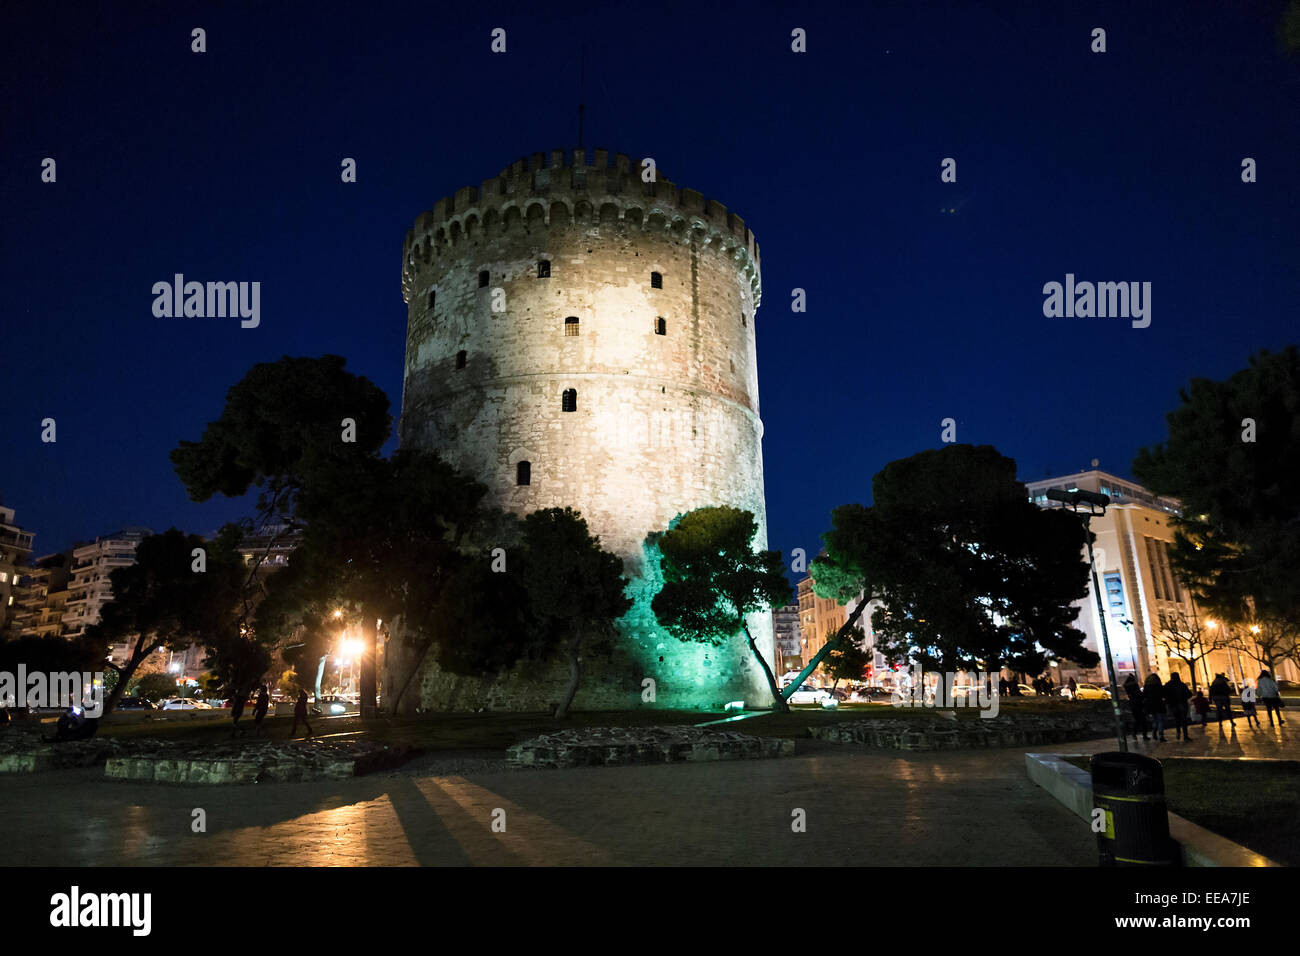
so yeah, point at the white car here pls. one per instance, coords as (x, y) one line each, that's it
(808, 694)
(184, 703)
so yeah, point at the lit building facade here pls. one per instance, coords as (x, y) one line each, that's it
(89, 588)
(788, 639)
(43, 596)
(15, 549)
(1141, 595)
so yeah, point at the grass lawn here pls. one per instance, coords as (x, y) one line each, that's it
(497, 731)
(1253, 802)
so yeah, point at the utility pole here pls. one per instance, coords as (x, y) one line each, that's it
(1072, 499)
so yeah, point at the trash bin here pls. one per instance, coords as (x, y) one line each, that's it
(1130, 788)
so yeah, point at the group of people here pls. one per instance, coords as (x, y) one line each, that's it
(260, 707)
(1170, 702)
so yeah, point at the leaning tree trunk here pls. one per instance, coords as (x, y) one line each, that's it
(124, 675)
(320, 673)
(397, 703)
(777, 697)
(575, 676)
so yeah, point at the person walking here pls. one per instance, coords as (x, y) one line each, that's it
(1074, 688)
(1176, 697)
(236, 711)
(1248, 705)
(1266, 690)
(1153, 701)
(300, 713)
(1201, 706)
(260, 708)
(1134, 692)
(1220, 695)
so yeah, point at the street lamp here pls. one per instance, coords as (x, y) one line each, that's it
(1073, 499)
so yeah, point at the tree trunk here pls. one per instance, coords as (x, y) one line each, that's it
(369, 658)
(826, 648)
(124, 675)
(393, 704)
(320, 673)
(575, 675)
(777, 697)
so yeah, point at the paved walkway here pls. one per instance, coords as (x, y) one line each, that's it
(862, 807)
(1265, 742)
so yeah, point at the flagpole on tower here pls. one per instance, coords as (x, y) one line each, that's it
(582, 82)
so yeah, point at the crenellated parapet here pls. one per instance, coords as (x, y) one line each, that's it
(562, 190)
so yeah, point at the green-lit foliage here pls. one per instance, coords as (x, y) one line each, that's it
(713, 578)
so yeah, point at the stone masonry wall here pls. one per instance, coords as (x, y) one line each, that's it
(663, 424)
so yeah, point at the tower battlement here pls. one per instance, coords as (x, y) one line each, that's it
(578, 338)
(562, 189)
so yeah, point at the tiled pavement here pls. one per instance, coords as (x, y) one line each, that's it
(862, 808)
(1267, 742)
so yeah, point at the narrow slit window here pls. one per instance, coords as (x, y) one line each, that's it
(661, 326)
(460, 359)
(543, 268)
(524, 473)
(571, 325)
(569, 400)
(656, 280)
(483, 279)
(432, 295)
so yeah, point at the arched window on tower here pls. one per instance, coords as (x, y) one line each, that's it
(460, 359)
(661, 326)
(656, 280)
(483, 279)
(744, 323)
(432, 295)
(524, 473)
(571, 325)
(569, 400)
(543, 268)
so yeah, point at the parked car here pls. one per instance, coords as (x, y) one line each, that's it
(336, 704)
(1027, 691)
(808, 694)
(135, 703)
(1087, 692)
(184, 703)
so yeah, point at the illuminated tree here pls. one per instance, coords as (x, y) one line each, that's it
(849, 659)
(714, 579)
(1188, 638)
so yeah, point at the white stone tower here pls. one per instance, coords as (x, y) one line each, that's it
(580, 337)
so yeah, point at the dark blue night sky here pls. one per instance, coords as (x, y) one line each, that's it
(225, 166)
